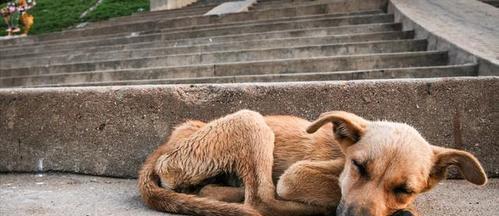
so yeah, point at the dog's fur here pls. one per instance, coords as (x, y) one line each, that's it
(356, 167)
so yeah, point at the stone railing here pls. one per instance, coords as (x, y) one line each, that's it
(466, 29)
(157, 5)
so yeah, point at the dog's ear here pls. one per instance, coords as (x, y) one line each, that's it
(468, 165)
(348, 128)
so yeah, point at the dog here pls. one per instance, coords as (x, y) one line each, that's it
(10, 13)
(339, 164)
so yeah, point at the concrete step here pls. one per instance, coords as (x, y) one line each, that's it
(110, 130)
(147, 49)
(219, 21)
(278, 4)
(201, 27)
(246, 53)
(144, 41)
(307, 65)
(297, 65)
(209, 2)
(198, 22)
(154, 15)
(53, 194)
(242, 27)
(263, 2)
(162, 78)
(286, 11)
(349, 6)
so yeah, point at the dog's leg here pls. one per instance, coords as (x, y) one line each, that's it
(255, 161)
(312, 182)
(241, 143)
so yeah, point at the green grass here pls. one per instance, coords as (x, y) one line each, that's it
(57, 15)
(116, 8)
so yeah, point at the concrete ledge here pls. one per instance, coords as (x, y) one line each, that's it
(469, 30)
(55, 194)
(109, 130)
(387, 73)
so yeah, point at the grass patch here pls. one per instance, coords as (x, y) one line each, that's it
(116, 8)
(57, 15)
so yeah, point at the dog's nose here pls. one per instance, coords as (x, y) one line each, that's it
(403, 213)
(352, 211)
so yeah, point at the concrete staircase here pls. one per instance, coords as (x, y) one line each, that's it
(96, 101)
(276, 41)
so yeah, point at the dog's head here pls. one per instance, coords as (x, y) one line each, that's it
(388, 164)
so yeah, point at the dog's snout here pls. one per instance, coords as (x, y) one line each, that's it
(403, 213)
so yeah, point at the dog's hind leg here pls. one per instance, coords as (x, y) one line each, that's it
(242, 144)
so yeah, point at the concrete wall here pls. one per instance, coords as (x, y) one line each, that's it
(110, 130)
(169, 4)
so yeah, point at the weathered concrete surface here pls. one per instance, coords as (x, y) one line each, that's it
(459, 198)
(250, 55)
(198, 22)
(142, 41)
(62, 194)
(39, 75)
(231, 7)
(339, 3)
(59, 194)
(148, 16)
(244, 54)
(110, 130)
(220, 29)
(160, 77)
(469, 30)
(157, 5)
(150, 48)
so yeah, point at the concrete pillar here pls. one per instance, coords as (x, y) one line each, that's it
(169, 4)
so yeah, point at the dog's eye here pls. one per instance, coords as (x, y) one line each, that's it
(402, 190)
(361, 168)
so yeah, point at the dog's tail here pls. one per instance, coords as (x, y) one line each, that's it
(167, 200)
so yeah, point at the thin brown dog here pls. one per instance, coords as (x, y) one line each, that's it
(356, 167)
